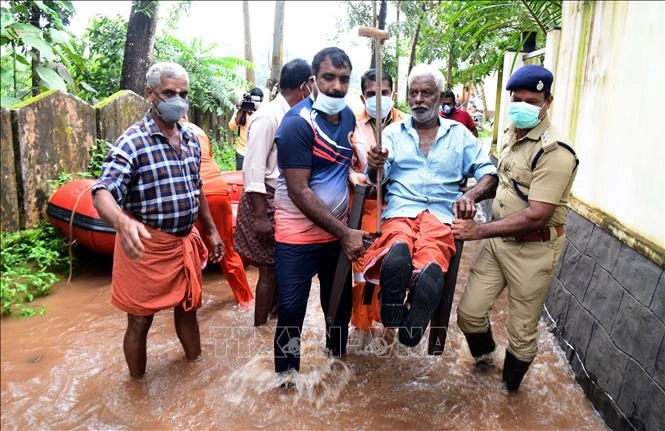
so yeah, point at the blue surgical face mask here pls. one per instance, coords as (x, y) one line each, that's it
(447, 109)
(524, 115)
(386, 106)
(327, 104)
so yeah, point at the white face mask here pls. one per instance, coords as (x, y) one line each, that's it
(327, 104)
(386, 106)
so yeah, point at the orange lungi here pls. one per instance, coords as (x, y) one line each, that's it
(428, 240)
(169, 274)
(232, 266)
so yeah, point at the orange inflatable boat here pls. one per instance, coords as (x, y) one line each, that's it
(88, 229)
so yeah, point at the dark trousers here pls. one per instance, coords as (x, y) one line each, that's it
(239, 161)
(295, 265)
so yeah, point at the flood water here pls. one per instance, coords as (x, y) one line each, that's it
(66, 370)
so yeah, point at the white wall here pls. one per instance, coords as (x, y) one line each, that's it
(609, 100)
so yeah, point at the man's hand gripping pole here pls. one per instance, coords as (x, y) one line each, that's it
(343, 269)
(379, 36)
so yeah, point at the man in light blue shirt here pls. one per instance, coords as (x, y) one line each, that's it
(424, 159)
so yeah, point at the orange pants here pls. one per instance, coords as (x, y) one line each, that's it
(428, 240)
(363, 315)
(232, 266)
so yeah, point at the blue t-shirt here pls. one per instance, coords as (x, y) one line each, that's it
(305, 140)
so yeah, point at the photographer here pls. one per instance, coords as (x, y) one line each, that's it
(240, 120)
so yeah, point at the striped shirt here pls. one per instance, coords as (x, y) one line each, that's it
(150, 180)
(306, 140)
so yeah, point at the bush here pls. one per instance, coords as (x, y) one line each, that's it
(30, 261)
(224, 155)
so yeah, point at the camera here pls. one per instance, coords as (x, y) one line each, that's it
(248, 103)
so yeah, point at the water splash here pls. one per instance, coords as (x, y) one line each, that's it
(319, 382)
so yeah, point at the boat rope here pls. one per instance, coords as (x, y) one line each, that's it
(71, 241)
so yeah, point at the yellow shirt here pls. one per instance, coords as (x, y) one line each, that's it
(241, 141)
(550, 181)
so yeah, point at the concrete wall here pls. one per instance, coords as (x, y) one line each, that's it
(117, 112)
(608, 305)
(609, 84)
(54, 133)
(9, 209)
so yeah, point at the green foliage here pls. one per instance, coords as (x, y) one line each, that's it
(145, 7)
(212, 80)
(98, 153)
(33, 39)
(484, 134)
(476, 34)
(30, 260)
(104, 43)
(360, 13)
(403, 106)
(90, 67)
(469, 36)
(224, 155)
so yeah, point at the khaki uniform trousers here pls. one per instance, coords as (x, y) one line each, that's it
(526, 269)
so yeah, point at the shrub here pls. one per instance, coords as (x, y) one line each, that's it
(30, 261)
(225, 155)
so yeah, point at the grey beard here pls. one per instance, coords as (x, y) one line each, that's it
(425, 117)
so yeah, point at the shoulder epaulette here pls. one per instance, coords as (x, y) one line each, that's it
(548, 144)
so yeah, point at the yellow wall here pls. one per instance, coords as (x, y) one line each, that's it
(609, 100)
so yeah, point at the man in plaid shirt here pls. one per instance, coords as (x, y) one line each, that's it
(150, 192)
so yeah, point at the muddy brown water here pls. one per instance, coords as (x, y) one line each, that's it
(66, 370)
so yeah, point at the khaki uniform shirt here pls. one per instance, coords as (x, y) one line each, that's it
(550, 180)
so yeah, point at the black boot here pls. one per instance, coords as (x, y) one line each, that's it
(480, 343)
(513, 371)
(394, 277)
(425, 297)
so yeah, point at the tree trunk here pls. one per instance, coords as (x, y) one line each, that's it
(497, 107)
(396, 79)
(481, 91)
(383, 11)
(449, 73)
(138, 45)
(34, 76)
(414, 44)
(277, 46)
(249, 72)
(374, 13)
(35, 15)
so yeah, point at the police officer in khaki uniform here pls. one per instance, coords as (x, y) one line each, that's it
(536, 172)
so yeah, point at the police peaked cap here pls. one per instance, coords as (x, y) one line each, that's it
(531, 77)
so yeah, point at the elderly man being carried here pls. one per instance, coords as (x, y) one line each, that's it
(424, 159)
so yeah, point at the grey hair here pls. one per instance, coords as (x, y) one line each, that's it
(427, 70)
(166, 69)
